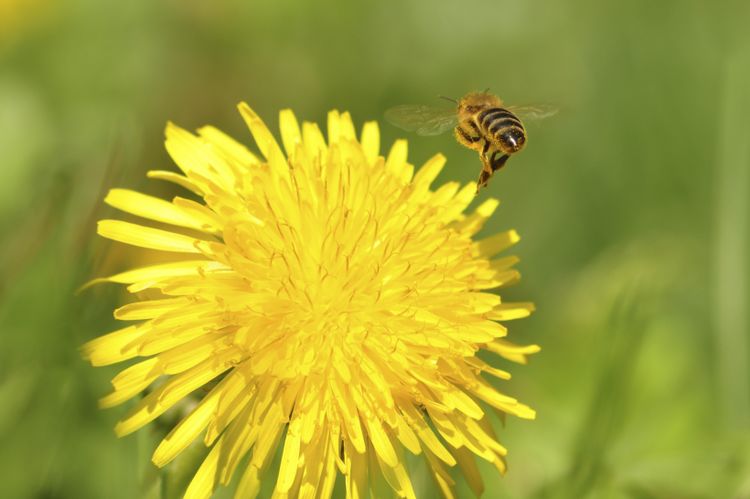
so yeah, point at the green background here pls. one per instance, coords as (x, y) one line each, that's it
(632, 203)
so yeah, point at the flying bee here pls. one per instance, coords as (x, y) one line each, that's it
(480, 122)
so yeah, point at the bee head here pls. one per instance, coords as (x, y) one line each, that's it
(477, 101)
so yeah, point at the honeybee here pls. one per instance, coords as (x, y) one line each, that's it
(480, 122)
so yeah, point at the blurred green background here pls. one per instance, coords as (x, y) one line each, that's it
(632, 203)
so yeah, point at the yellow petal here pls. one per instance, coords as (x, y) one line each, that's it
(149, 207)
(484, 367)
(504, 263)
(349, 416)
(270, 432)
(427, 436)
(444, 193)
(196, 157)
(315, 144)
(465, 403)
(334, 128)
(147, 276)
(132, 381)
(171, 392)
(511, 351)
(440, 474)
(176, 178)
(512, 311)
(112, 347)
(487, 208)
(453, 209)
(233, 151)
(187, 430)
(290, 458)
(290, 132)
(486, 392)
(262, 135)
(371, 141)
(397, 477)
(149, 309)
(493, 245)
(381, 441)
(357, 479)
(406, 436)
(203, 483)
(428, 173)
(147, 237)
(397, 155)
(396, 162)
(329, 475)
(470, 471)
(203, 218)
(241, 435)
(346, 127)
(235, 396)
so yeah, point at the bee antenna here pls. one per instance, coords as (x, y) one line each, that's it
(486, 90)
(448, 99)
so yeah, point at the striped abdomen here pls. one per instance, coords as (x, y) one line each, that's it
(503, 128)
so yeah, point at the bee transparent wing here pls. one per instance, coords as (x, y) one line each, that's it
(533, 113)
(424, 120)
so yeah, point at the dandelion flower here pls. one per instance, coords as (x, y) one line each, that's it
(331, 304)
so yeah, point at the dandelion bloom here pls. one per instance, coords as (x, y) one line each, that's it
(336, 303)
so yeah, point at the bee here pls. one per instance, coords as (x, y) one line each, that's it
(480, 122)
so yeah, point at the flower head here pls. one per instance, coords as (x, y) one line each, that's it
(337, 302)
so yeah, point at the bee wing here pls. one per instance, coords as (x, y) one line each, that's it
(533, 113)
(424, 120)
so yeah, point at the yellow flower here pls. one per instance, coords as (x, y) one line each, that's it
(338, 301)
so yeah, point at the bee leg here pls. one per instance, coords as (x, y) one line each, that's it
(484, 177)
(485, 157)
(497, 163)
(465, 139)
(487, 171)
